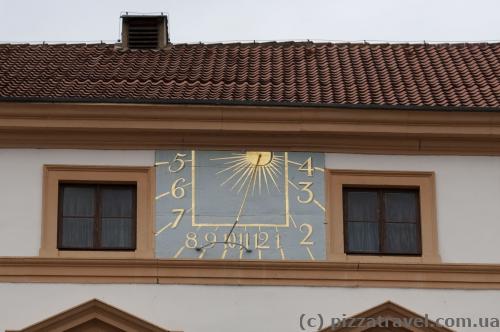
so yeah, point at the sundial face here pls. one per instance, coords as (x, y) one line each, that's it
(240, 205)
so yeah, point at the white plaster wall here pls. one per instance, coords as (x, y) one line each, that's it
(236, 308)
(468, 199)
(468, 195)
(21, 189)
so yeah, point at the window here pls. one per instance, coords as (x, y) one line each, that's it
(98, 211)
(381, 221)
(381, 217)
(97, 216)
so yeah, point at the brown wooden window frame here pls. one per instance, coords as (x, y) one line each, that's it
(337, 179)
(142, 176)
(97, 243)
(381, 221)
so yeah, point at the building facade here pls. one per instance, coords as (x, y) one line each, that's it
(150, 186)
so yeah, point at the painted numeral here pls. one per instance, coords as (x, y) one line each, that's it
(177, 164)
(308, 229)
(306, 188)
(177, 190)
(307, 167)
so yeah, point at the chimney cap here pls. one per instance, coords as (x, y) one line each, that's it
(159, 15)
(144, 31)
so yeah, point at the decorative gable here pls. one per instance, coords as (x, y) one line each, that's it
(93, 316)
(389, 317)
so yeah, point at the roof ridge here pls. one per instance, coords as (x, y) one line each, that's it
(317, 42)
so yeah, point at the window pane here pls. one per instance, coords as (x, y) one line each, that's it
(117, 201)
(77, 232)
(401, 238)
(78, 201)
(401, 206)
(117, 233)
(362, 237)
(362, 206)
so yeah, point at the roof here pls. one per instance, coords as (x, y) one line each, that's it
(305, 73)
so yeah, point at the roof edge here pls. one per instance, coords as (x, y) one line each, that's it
(216, 102)
(312, 41)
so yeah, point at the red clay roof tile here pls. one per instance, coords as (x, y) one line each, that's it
(448, 75)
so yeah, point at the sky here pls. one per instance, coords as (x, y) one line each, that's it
(261, 20)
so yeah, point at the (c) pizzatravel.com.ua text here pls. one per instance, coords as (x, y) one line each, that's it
(315, 322)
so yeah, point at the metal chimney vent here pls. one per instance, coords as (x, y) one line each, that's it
(144, 32)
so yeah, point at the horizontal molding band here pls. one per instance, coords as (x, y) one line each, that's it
(136, 126)
(216, 272)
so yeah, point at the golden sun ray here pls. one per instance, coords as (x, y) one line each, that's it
(293, 185)
(236, 172)
(173, 224)
(293, 221)
(255, 170)
(319, 205)
(299, 164)
(265, 180)
(259, 174)
(275, 171)
(310, 253)
(273, 165)
(294, 162)
(274, 168)
(251, 176)
(232, 161)
(252, 169)
(277, 161)
(163, 228)
(238, 164)
(234, 156)
(244, 176)
(202, 254)
(271, 171)
(179, 252)
(272, 175)
(162, 195)
(282, 254)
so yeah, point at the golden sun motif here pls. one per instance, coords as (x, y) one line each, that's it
(253, 168)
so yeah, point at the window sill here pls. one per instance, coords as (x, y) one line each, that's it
(401, 259)
(96, 254)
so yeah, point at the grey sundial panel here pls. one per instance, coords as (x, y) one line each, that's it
(277, 199)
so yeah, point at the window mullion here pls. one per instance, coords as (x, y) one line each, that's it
(418, 223)
(381, 219)
(97, 229)
(60, 215)
(345, 217)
